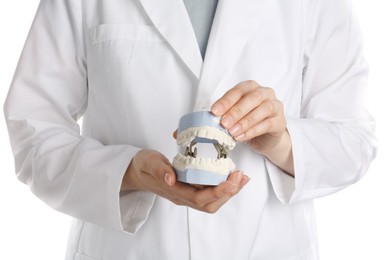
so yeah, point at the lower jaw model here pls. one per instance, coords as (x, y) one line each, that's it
(203, 127)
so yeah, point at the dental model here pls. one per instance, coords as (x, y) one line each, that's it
(203, 127)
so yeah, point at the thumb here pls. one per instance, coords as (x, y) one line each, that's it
(170, 178)
(174, 134)
(165, 172)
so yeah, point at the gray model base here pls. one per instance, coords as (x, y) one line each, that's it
(201, 177)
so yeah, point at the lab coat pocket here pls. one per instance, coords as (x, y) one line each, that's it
(114, 43)
(109, 33)
(80, 256)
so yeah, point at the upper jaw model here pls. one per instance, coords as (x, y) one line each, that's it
(203, 127)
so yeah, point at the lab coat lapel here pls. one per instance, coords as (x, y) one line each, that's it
(234, 22)
(172, 21)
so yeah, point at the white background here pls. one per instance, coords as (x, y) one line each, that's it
(352, 224)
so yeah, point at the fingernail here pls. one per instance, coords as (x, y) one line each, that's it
(238, 177)
(217, 109)
(235, 129)
(245, 180)
(227, 121)
(240, 137)
(168, 179)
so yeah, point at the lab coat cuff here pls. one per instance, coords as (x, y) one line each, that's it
(128, 211)
(135, 209)
(286, 187)
(282, 183)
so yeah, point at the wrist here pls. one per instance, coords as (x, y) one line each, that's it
(281, 154)
(129, 180)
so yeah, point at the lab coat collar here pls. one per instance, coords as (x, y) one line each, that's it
(172, 21)
(234, 23)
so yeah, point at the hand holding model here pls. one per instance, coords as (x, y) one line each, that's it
(152, 171)
(251, 114)
(254, 115)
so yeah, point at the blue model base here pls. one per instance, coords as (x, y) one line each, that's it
(198, 119)
(201, 177)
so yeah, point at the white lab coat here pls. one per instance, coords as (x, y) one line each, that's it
(133, 67)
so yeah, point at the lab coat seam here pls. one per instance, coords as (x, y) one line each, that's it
(189, 233)
(307, 222)
(302, 63)
(79, 110)
(84, 26)
(134, 42)
(78, 244)
(310, 35)
(257, 232)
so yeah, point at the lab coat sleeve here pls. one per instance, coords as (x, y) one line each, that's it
(76, 175)
(333, 139)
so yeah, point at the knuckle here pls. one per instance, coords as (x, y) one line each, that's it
(269, 107)
(259, 129)
(252, 83)
(280, 106)
(248, 121)
(231, 97)
(236, 93)
(268, 124)
(224, 102)
(210, 209)
(246, 86)
(234, 192)
(270, 92)
(279, 124)
(256, 95)
(236, 112)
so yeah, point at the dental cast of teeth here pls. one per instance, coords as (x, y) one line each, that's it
(203, 127)
(185, 137)
(221, 166)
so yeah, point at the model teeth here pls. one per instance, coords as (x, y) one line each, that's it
(221, 166)
(185, 137)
